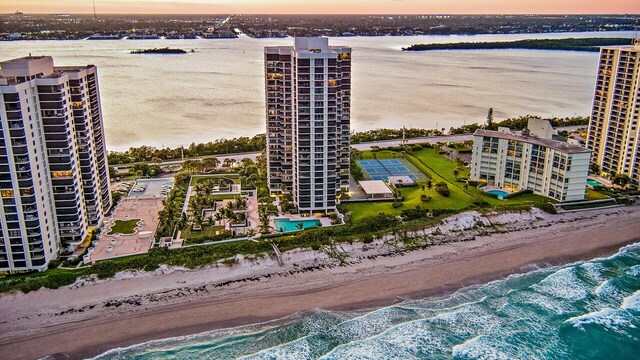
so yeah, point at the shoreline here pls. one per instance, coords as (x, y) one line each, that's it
(594, 31)
(367, 283)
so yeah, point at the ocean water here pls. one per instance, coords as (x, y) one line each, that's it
(172, 100)
(585, 310)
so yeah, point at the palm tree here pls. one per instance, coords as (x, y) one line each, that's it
(241, 217)
(263, 216)
(228, 162)
(210, 163)
(300, 226)
(218, 216)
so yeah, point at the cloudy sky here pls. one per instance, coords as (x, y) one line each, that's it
(325, 6)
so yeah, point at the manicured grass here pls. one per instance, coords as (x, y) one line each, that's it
(440, 164)
(125, 227)
(225, 196)
(207, 231)
(595, 195)
(456, 200)
(444, 168)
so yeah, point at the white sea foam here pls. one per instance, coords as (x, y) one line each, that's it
(634, 270)
(594, 270)
(479, 348)
(632, 302)
(608, 317)
(295, 350)
(563, 284)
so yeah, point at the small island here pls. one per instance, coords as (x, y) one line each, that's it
(572, 44)
(165, 50)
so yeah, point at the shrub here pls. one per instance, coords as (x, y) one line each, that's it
(480, 203)
(367, 238)
(425, 198)
(443, 189)
(546, 207)
(412, 214)
(396, 205)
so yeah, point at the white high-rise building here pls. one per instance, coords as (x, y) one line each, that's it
(308, 97)
(531, 161)
(614, 127)
(54, 181)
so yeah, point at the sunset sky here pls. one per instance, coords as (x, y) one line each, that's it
(324, 6)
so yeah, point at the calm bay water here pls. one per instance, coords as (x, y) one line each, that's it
(216, 92)
(586, 310)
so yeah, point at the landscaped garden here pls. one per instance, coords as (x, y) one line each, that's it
(124, 227)
(215, 179)
(440, 171)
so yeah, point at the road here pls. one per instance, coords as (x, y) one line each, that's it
(361, 147)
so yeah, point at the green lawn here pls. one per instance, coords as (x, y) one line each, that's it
(206, 231)
(595, 195)
(444, 167)
(225, 196)
(456, 200)
(125, 227)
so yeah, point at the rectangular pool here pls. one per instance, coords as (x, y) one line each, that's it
(286, 225)
(594, 183)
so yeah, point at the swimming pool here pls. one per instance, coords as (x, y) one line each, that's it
(594, 183)
(500, 193)
(286, 225)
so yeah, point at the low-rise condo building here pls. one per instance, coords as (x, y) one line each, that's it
(308, 97)
(614, 126)
(54, 184)
(530, 161)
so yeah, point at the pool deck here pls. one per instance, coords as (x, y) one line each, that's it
(123, 245)
(601, 180)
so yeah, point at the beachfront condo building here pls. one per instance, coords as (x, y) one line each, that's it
(530, 161)
(613, 129)
(308, 97)
(54, 185)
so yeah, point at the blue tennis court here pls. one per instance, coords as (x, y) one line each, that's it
(382, 169)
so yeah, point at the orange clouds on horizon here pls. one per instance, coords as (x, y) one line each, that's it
(324, 6)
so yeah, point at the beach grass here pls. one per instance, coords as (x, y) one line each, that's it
(125, 227)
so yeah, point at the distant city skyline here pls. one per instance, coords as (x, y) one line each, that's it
(323, 7)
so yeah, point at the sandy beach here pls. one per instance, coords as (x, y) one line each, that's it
(91, 317)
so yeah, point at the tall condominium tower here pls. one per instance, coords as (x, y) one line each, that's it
(308, 97)
(613, 129)
(53, 166)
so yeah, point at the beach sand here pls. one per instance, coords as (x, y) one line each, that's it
(85, 320)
